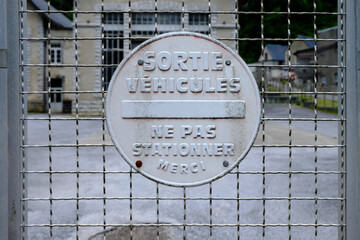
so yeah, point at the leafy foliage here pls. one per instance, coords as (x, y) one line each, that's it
(66, 5)
(276, 25)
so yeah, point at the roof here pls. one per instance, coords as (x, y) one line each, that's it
(328, 29)
(277, 51)
(305, 53)
(57, 19)
(310, 43)
(332, 45)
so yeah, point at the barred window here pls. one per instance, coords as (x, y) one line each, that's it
(114, 18)
(113, 53)
(198, 22)
(169, 18)
(143, 18)
(198, 19)
(113, 44)
(142, 25)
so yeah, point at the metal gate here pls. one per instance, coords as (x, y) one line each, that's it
(62, 177)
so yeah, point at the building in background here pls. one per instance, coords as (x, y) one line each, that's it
(274, 55)
(326, 52)
(84, 53)
(41, 51)
(128, 24)
(302, 63)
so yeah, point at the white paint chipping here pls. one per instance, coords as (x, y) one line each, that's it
(193, 109)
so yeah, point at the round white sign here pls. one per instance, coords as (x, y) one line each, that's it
(183, 109)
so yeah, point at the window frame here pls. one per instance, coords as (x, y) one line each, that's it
(57, 52)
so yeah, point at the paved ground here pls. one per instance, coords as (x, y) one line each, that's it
(91, 211)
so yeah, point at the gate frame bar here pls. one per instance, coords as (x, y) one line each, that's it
(10, 122)
(352, 112)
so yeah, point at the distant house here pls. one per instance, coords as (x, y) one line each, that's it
(274, 54)
(46, 48)
(301, 43)
(303, 53)
(328, 55)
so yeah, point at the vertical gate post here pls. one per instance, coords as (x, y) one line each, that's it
(352, 121)
(10, 127)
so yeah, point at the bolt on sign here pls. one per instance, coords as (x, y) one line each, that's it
(183, 109)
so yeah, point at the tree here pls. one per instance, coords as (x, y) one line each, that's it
(66, 5)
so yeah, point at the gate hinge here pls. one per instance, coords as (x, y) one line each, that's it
(3, 58)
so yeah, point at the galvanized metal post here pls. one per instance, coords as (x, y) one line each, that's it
(352, 121)
(3, 124)
(10, 128)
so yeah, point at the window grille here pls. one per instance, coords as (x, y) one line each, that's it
(198, 19)
(116, 19)
(169, 19)
(142, 25)
(113, 52)
(113, 43)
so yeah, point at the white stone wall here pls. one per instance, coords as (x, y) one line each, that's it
(34, 55)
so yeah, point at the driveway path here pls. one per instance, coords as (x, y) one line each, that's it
(67, 212)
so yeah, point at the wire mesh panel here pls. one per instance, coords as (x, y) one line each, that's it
(75, 185)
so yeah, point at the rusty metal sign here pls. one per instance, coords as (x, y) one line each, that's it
(183, 109)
